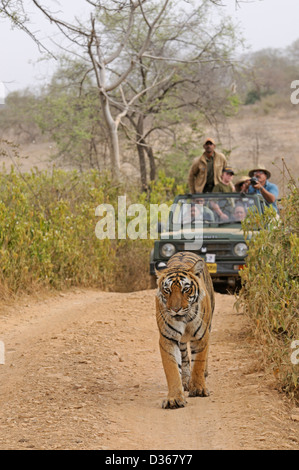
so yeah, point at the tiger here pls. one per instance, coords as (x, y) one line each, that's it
(185, 302)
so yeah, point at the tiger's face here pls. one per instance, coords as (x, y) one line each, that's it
(178, 292)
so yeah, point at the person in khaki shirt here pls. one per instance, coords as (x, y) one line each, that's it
(206, 171)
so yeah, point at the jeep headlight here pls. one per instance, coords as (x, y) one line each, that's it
(168, 250)
(240, 249)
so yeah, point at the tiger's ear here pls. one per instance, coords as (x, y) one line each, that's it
(198, 267)
(159, 269)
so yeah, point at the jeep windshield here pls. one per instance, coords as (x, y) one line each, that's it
(212, 209)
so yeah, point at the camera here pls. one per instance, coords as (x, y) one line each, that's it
(253, 181)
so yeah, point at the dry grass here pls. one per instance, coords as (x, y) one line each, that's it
(269, 291)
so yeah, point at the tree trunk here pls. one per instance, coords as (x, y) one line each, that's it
(150, 154)
(140, 150)
(142, 166)
(113, 138)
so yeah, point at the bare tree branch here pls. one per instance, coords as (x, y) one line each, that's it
(125, 38)
(62, 25)
(128, 105)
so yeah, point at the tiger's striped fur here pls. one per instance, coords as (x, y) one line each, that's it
(185, 303)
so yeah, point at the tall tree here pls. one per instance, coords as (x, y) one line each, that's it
(178, 76)
(90, 40)
(108, 42)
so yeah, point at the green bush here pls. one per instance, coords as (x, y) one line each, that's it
(270, 287)
(47, 232)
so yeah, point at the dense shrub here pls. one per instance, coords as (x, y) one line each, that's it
(270, 288)
(47, 232)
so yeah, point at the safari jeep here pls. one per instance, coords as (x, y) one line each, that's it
(208, 224)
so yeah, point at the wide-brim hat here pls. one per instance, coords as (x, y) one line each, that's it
(260, 168)
(240, 181)
(209, 139)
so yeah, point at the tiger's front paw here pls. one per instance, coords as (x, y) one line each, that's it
(174, 402)
(198, 391)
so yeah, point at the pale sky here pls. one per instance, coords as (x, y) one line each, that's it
(264, 23)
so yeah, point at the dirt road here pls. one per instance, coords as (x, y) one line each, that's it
(83, 371)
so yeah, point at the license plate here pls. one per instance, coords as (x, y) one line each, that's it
(212, 267)
(210, 258)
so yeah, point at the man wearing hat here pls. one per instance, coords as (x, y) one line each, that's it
(268, 190)
(206, 170)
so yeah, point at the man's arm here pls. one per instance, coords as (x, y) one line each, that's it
(269, 196)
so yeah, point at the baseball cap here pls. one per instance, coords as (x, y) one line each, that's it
(228, 169)
(209, 140)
